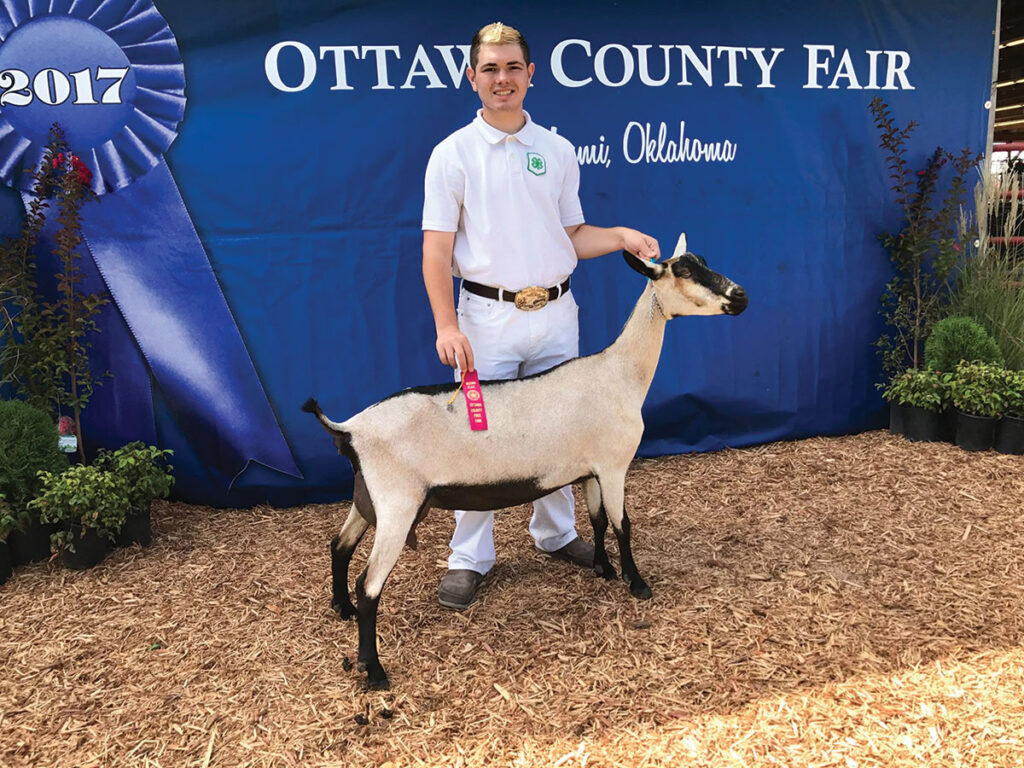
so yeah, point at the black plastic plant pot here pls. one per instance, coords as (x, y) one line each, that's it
(90, 549)
(947, 425)
(897, 416)
(137, 529)
(921, 425)
(975, 433)
(32, 544)
(6, 567)
(1010, 436)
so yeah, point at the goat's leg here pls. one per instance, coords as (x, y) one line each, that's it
(612, 494)
(342, 547)
(393, 526)
(599, 519)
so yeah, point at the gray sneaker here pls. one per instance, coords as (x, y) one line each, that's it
(578, 552)
(458, 588)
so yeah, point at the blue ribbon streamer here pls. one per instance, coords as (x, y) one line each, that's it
(150, 257)
(176, 319)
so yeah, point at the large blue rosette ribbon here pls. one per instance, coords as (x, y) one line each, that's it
(109, 71)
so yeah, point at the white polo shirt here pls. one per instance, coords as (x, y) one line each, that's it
(508, 199)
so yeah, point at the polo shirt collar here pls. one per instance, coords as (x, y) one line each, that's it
(525, 135)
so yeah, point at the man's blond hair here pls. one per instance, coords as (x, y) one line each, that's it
(497, 33)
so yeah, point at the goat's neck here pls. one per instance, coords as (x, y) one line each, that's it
(639, 345)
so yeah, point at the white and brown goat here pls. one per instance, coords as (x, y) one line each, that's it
(578, 422)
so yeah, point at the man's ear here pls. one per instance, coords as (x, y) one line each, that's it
(653, 270)
(471, 76)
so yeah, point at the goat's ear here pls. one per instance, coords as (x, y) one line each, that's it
(651, 269)
(680, 245)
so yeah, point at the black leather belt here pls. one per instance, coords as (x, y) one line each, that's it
(528, 299)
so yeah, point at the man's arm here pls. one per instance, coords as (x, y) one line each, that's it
(589, 241)
(452, 346)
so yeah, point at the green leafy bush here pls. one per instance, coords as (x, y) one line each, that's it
(1013, 394)
(920, 388)
(82, 496)
(144, 470)
(977, 388)
(28, 445)
(959, 338)
(8, 522)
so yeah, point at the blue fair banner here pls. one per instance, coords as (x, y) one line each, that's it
(260, 172)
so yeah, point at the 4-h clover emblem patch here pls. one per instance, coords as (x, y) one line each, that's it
(535, 164)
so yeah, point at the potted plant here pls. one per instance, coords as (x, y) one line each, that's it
(919, 395)
(7, 522)
(955, 339)
(1010, 433)
(88, 506)
(28, 444)
(147, 476)
(976, 390)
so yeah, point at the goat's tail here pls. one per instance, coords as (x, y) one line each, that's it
(312, 406)
(342, 437)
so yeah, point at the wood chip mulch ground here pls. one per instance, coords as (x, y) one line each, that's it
(853, 601)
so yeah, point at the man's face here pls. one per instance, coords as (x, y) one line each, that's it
(501, 77)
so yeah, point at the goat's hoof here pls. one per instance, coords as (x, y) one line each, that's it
(376, 677)
(640, 590)
(606, 571)
(378, 684)
(345, 610)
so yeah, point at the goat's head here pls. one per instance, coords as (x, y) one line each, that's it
(684, 285)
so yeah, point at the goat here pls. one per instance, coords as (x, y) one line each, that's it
(577, 422)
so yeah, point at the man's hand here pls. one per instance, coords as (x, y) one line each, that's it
(639, 244)
(453, 348)
(589, 241)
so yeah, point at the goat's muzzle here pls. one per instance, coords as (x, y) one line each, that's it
(737, 300)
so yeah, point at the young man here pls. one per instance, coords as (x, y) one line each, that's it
(502, 212)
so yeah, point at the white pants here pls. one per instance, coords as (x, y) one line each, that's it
(509, 343)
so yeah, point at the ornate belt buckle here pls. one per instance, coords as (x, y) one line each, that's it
(531, 298)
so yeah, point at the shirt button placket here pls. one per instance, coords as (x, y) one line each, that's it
(512, 157)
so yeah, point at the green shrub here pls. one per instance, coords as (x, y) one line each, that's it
(144, 470)
(1013, 394)
(959, 338)
(82, 495)
(918, 388)
(28, 445)
(977, 388)
(8, 522)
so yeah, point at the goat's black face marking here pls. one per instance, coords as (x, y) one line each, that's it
(692, 267)
(737, 301)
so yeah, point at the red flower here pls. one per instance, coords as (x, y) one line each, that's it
(82, 173)
(920, 173)
(65, 426)
(956, 247)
